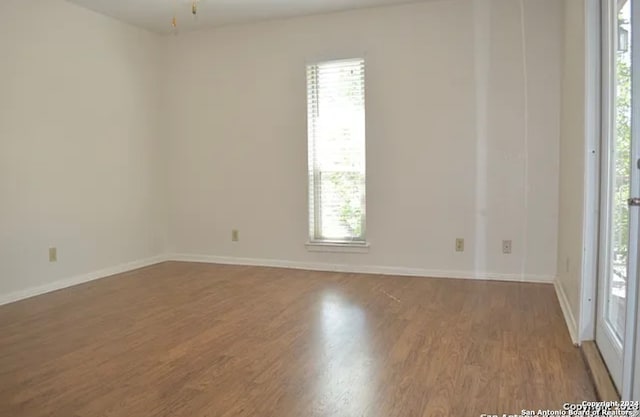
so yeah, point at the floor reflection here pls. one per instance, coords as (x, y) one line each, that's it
(345, 386)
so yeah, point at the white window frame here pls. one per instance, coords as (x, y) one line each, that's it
(316, 244)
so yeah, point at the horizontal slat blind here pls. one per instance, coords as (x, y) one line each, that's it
(336, 123)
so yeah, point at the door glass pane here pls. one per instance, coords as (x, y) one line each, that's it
(620, 176)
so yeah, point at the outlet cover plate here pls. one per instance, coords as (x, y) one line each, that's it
(506, 246)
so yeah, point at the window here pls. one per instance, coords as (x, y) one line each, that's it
(336, 123)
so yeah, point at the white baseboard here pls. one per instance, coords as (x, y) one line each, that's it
(362, 269)
(313, 266)
(79, 279)
(566, 311)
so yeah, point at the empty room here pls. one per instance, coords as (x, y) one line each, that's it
(354, 208)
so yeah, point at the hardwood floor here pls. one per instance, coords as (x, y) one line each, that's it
(195, 340)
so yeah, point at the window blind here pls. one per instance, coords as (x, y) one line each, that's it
(336, 144)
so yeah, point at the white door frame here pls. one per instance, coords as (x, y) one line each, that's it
(591, 203)
(628, 367)
(608, 344)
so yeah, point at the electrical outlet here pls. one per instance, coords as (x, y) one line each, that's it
(53, 254)
(506, 246)
(235, 235)
(459, 244)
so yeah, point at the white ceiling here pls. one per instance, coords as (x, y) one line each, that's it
(156, 15)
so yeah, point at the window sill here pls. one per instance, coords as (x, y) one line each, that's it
(350, 247)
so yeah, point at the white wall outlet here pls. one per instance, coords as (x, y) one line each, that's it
(53, 254)
(506, 246)
(459, 244)
(235, 236)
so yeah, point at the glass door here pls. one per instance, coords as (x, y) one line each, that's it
(619, 181)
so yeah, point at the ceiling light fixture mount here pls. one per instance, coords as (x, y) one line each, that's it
(194, 12)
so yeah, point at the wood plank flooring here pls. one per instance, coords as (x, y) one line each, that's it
(196, 340)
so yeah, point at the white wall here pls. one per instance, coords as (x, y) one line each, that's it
(117, 145)
(462, 135)
(79, 153)
(572, 162)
